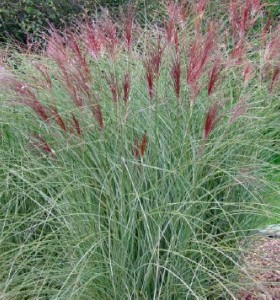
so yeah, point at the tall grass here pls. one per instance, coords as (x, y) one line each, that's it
(135, 162)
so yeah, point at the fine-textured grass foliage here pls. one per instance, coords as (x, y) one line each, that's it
(134, 162)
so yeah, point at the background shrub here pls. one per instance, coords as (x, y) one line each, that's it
(274, 8)
(22, 17)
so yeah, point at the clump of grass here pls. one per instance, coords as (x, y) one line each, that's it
(133, 163)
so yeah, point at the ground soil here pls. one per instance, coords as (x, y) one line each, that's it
(262, 263)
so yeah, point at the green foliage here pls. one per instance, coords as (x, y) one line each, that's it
(21, 17)
(273, 9)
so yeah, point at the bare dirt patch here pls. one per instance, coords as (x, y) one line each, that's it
(262, 263)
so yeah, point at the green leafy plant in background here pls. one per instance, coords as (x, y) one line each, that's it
(274, 9)
(30, 17)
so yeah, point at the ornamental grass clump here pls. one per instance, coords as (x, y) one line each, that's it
(135, 161)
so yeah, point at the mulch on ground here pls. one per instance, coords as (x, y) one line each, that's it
(262, 264)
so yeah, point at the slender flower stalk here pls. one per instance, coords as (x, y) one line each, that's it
(97, 114)
(176, 13)
(135, 150)
(275, 77)
(126, 87)
(143, 144)
(110, 37)
(43, 145)
(57, 118)
(199, 10)
(38, 108)
(247, 72)
(128, 27)
(93, 38)
(25, 96)
(76, 124)
(243, 15)
(200, 7)
(238, 52)
(152, 66)
(113, 85)
(213, 78)
(150, 81)
(169, 29)
(156, 56)
(199, 54)
(140, 146)
(176, 75)
(176, 42)
(70, 71)
(256, 6)
(210, 121)
(272, 50)
(265, 31)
